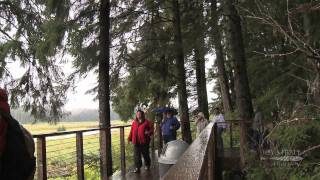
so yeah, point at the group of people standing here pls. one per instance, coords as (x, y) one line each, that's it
(142, 131)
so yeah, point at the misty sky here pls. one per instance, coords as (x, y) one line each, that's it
(79, 99)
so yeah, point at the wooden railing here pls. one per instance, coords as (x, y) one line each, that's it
(236, 130)
(201, 159)
(231, 126)
(41, 150)
(198, 162)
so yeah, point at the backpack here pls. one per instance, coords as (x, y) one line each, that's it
(18, 161)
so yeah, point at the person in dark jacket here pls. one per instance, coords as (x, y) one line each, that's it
(169, 126)
(17, 161)
(4, 106)
(140, 136)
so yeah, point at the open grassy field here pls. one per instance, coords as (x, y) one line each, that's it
(68, 126)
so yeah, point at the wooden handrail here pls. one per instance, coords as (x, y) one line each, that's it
(197, 162)
(238, 121)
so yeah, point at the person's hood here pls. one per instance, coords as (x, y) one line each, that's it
(201, 115)
(143, 116)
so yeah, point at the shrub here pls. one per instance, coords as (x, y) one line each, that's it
(61, 128)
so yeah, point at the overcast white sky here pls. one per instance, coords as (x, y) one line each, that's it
(79, 99)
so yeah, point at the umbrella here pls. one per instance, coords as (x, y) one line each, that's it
(165, 109)
(160, 109)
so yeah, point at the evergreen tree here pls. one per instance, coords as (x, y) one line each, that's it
(199, 55)
(181, 77)
(217, 41)
(41, 87)
(243, 96)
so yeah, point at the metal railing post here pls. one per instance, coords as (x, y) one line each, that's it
(231, 138)
(123, 151)
(42, 158)
(80, 161)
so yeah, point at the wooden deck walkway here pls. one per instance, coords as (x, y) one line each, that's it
(152, 174)
(231, 161)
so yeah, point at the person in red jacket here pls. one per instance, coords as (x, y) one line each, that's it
(140, 136)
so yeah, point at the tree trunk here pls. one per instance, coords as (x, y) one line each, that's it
(223, 80)
(181, 76)
(201, 80)
(199, 53)
(315, 85)
(104, 91)
(230, 77)
(243, 97)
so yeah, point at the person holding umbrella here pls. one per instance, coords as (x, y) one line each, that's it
(169, 126)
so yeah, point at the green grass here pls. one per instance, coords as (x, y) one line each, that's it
(61, 152)
(39, 128)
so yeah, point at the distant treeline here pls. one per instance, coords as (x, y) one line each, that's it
(76, 115)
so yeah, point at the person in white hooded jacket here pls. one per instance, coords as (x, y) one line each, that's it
(201, 122)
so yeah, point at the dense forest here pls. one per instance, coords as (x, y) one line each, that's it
(147, 53)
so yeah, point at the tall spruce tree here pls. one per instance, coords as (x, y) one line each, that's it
(216, 34)
(103, 88)
(181, 76)
(243, 96)
(28, 40)
(199, 56)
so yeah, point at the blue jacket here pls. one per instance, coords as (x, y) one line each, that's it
(165, 126)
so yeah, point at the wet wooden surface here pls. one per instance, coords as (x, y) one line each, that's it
(192, 164)
(152, 174)
(231, 162)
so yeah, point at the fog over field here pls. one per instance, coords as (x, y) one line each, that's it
(76, 115)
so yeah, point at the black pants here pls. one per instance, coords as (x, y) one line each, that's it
(141, 149)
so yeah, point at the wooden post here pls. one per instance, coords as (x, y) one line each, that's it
(242, 144)
(211, 155)
(152, 141)
(42, 158)
(105, 157)
(217, 161)
(159, 138)
(80, 161)
(123, 152)
(231, 139)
